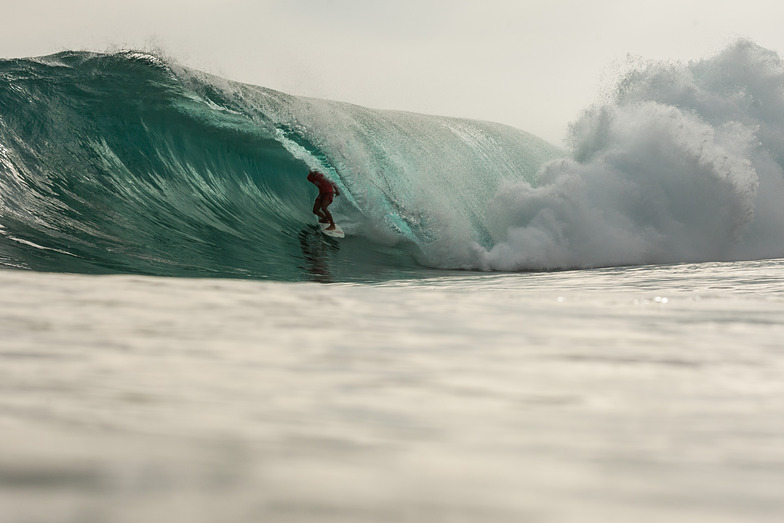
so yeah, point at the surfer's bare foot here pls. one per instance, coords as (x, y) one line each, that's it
(331, 227)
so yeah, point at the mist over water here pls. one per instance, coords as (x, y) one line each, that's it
(684, 163)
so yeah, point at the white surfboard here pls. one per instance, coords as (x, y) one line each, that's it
(337, 232)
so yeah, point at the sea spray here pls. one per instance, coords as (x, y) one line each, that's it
(683, 164)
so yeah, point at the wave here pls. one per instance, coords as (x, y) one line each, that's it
(130, 163)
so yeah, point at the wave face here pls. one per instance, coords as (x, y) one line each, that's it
(127, 163)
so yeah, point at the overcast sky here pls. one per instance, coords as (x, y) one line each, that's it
(528, 63)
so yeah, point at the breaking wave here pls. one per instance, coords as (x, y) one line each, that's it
(130, 163)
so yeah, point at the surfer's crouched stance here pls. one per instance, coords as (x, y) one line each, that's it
(327, 191)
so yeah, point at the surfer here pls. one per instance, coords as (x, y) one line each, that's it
(327, 191)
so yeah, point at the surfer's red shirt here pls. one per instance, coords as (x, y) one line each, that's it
(324, 185)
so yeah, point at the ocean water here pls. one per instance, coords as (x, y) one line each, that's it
(511, 330)
(647, 394)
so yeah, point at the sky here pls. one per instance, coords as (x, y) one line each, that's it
(531, 64)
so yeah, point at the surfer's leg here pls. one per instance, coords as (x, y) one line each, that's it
(326, 200)
(324, 204)
(317, 205)
(329, 217)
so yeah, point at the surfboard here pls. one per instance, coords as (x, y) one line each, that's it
(337, 232)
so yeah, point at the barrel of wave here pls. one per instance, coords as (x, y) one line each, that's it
(425, 179)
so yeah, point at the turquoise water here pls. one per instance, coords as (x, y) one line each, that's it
(125, 163)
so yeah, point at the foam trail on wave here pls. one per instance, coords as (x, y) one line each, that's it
(685, 164)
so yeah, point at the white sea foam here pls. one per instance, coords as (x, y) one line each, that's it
(684, 164)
